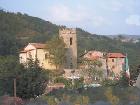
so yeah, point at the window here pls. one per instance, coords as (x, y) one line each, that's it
(50, 61)
(112, 60)
(71, 66)
(46, 56)
(113, 67)
(70, 41)
(30, 55)
(90, 54)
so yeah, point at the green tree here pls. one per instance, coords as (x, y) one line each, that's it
(92, 69)
(135, 73)
(109, 82)
(9, 69)
(8, 44)
(56, 49)
(78, 83)
(33, 80)
(124, 80)
(67, 83)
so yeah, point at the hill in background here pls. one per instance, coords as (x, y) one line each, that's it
(125, 36)
(16, 30)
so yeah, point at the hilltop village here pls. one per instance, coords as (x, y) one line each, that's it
(47, 64)
(109, 65)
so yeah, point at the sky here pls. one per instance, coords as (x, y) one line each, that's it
(106, 17)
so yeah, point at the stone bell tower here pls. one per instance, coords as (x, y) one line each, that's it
(70, 38)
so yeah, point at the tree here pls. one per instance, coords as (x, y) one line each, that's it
(78, 83)
(109, 83)
(56, 49)
(9, 69)
(8, 44)
(31, 80)
(135, 73)
(92, 69)
(66, 82)
(124, 80)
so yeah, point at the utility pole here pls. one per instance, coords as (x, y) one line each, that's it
(15, 92)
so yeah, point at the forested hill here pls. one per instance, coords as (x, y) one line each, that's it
(18, 29)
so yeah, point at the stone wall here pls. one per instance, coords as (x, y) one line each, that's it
(70, 38)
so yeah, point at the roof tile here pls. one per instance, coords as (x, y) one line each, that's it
(115, 55)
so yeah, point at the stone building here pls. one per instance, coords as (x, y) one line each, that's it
(116, 63)
(70, 38)
(112, 63)
(96, 55)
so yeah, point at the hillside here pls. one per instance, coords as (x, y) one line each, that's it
(125, 36)
(17, 29)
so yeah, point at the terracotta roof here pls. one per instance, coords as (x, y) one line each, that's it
(116, 55)
(92, 55)
(38, 45)
(94, 58)
(23, 51)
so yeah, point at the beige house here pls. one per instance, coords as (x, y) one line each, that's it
(36, 51)
(116, 62)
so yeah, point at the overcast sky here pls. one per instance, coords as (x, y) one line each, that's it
(95, 16)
